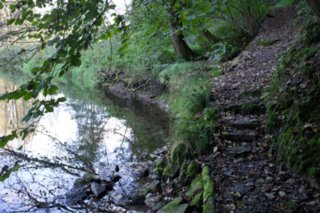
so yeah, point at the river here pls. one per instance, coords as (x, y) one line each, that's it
(87, 134)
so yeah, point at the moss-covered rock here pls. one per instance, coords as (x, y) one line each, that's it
(174, 206)
(160, 165)
(208, 191)
(171, 170)
(179, 153)
(193, 169)
(197, 200)
(195, 187)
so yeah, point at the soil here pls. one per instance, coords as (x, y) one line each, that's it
(244, 166)
(143, 90)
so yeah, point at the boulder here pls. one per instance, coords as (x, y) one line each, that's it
(100, 189)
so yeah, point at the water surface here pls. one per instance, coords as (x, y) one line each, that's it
(83, 135)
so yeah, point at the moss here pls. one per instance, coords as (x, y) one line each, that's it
(208, 191)
(179, 153)
(174, 206)
(208, 187)
(208, 206)
(197, 200)
(193, 169)
(195, 187)
(267, 42)
(171, 170)
(160, 165)
(84, 180)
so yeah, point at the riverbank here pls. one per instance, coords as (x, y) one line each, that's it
(239, 155)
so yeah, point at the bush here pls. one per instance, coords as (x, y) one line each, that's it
(195, 120)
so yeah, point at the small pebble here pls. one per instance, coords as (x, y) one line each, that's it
(282, 193)
(270, 196)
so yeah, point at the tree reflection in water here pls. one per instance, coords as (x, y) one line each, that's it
(49, 162)
(77, 138)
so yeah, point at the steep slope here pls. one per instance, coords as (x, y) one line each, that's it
(243, 164)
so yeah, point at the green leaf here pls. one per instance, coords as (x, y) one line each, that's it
(76, 62)
(16, 167)
(5, 176)
(5, 139)
(11, 21)
(62, 99)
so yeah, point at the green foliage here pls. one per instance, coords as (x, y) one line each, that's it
(246, 15)
(174, 206)
(196, 186)
(268, 42)
(189, 94)
(6, 171)
(68, 27)
(224, 51)
(293, 99)
(284, 3)
(201, 191)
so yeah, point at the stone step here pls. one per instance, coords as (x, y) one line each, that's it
(239, 135)
(257, 93)
(241, 122)
(251, 107)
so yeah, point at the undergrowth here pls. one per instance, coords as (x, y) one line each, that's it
(194, 120)
(294, 102)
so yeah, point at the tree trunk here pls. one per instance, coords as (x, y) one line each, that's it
(209, 36)
(178, 40)
(315, 6)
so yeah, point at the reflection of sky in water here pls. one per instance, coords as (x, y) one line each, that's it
(78, 134)
(80, 128)
(61, 125)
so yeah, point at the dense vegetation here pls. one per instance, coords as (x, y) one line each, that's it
(179, 44)
(293, 103)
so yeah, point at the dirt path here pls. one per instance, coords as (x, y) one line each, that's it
(244, 168)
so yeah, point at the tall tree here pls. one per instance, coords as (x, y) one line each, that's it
(181, 47)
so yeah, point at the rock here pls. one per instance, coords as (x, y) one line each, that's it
(239, 135)
(154, 186)
(208, 206)
(228, 172)
(242, 122)
(282, 193)
(171, 170)
(84, 180)
(100, 189)
(174, 206)
(115, 178)
(77, 194)
(197, 200)
(195, 187)
(154, 201)
(193, 169)
(270, 196)
(117, 169)
(231, 207)
(145, 173)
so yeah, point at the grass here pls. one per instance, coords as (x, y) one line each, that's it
(284, 3)
(189, 98)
